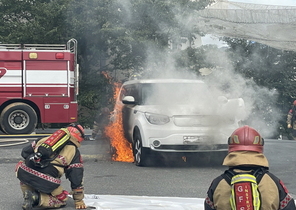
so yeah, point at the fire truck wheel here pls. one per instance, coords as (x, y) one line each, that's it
(139, 153)
(18, 118)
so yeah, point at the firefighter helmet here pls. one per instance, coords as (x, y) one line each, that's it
(245, 139)
(77, 131)
(294, 102)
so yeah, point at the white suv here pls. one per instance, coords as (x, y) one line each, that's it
(176, 116)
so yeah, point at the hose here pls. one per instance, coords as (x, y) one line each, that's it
(14, 142)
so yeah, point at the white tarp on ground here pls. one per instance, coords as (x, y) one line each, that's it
(123, 202)
(267, 24)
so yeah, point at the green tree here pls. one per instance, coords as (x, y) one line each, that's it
(195, 59)
(33, 21)
(270, 68)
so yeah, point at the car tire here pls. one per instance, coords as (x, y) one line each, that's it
(18, 118)
(138, 152)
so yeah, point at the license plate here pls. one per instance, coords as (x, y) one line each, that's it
(193, 139)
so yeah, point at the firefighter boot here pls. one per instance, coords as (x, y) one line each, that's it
(31, 199)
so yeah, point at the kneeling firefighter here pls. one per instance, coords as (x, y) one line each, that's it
(45, 161)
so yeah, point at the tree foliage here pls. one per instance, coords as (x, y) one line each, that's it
(33, 21)
(270, 68)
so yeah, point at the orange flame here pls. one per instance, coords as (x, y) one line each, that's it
(123, 149)
(106, 75)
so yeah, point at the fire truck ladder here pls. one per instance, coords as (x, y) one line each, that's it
(71, 46)
(10, 46)
(13, 140)
(33, 46)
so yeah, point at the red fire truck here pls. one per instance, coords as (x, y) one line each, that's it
(38, 84)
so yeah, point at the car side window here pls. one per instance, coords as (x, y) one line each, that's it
(129, 90)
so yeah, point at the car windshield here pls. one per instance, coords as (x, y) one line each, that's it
(174, 93)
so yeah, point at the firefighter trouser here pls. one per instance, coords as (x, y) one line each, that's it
(98, 129)
(95, 131)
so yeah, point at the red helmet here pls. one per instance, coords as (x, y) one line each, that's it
(245, 139)
(77, 131)
(294, 102)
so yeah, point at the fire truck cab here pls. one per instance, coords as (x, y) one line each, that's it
(38, 84)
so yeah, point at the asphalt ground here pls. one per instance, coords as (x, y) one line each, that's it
(280, 154)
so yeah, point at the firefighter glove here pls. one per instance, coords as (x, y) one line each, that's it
(79, 204)
(289, 126)
(63, 196)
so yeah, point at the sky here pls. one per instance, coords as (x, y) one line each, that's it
(269, 2)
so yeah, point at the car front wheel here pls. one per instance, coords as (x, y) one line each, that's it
(139, 154)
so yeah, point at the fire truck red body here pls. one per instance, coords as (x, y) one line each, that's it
(38, 84)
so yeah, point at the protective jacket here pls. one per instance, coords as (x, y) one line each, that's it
(46, 180)
(274, 195)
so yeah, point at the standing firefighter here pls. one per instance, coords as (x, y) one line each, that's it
(45, 161)
(247, 184)
(291, 119)
(100, 122)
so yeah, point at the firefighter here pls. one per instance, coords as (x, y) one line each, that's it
(291, 119)
(245, 154)
(100, 122)
(41, 184)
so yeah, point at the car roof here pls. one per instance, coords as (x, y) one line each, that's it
(148, 81)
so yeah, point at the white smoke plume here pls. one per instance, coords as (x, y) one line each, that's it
(223, 81)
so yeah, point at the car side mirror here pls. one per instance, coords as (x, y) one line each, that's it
(128, 100)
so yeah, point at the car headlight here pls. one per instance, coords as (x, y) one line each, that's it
(157, 119)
